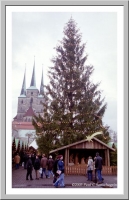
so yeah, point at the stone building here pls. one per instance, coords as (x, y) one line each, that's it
(29, 104)
(30, 99)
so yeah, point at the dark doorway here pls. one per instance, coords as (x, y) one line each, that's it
(85, 153)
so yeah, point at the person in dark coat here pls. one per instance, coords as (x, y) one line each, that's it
(33, 159)
(50, 163)
(55, 169)
(22, 157)
(98, 167)
(60, 166)
(29, 167)
(37, 167)
(25, 158)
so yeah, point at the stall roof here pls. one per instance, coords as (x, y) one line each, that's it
(82, 141)
(34, 144)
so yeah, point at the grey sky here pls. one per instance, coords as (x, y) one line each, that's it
(36, 34)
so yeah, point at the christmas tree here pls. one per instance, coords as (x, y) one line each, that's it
(73, 107)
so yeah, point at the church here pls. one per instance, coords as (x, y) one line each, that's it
(30, 99)
(29, 104)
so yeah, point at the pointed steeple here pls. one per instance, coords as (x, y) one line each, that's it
(33, 80)
(23, 90)
(41, 86)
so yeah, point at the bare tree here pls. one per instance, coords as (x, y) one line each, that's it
(29, 135)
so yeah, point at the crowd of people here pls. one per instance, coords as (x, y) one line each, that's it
(46, 167)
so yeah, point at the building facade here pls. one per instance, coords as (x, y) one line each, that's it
(30, 100)
(29, 104)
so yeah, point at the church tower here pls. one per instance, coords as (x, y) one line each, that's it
(30, 99)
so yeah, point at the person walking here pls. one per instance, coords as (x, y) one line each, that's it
(29, 167)
(90, 168)
(37, 166)
(17, 161)
(50, 164)
(44, 165)
(60, 166)
(55, 169)
(98, 167)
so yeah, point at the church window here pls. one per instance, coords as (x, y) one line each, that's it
(21, 101)
(31, 93)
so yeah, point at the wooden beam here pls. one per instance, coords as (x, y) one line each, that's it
(66, 157)
(105, 157)
(108, 158)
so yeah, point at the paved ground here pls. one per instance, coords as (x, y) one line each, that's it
(71, 181)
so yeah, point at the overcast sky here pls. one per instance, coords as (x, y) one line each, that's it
(37, 33)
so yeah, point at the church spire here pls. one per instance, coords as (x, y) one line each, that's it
(41, 86)
(33, 80)
(23, 90)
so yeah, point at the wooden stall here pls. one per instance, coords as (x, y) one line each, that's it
(76, 154)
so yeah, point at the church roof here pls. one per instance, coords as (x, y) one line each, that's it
(23, 89)
(29, 112)
(41, 86)
(33, 80)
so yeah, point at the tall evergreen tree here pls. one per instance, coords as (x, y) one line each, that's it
(73, 107)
